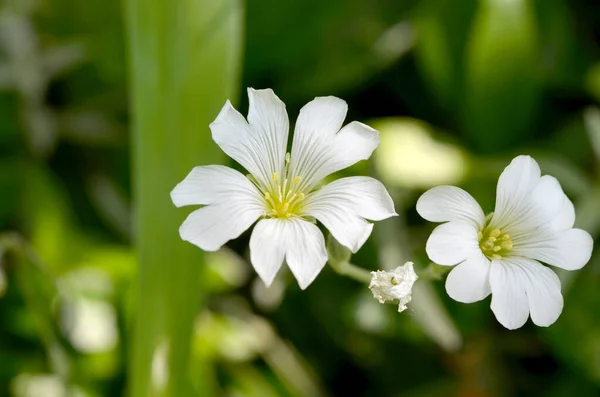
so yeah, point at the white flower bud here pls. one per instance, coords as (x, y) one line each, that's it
(394, 285)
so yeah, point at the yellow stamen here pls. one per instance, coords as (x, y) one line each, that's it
(492, 239)
(275, 176)
(495, 233)
(496, 256)
(496, 248)
(267, 196)
(297, 179)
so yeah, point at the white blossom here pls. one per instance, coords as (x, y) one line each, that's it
(500, 254)
(394, 285)
(282, 189)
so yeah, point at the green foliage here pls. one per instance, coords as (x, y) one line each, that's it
(185, 59)
(105, 107)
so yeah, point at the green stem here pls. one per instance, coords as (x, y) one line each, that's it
(349, 270)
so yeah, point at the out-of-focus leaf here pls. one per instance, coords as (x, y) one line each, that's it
(442, 33)
(342, 42)
(502, 77)
(410, 156)
(592, 124)
(185, 61)
(564, 55)
(580, 321)
(592, 81)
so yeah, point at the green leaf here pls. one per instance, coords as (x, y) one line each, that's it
(442, 32)
(502, 82)
(185, 62)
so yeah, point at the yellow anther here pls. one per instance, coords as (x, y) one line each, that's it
(496, 248)
(492, 239)
(275, 176)
(495, 233)
(506, 237)
(267, 196)
(496, 256)
(479, 235)
(297, 179)
(286, 206)
(301, 196)
(507, 245)
(288, 157)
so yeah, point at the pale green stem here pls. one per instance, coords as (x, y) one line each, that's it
(349, 270)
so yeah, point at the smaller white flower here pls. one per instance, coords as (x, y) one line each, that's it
(500, 254)
(282, 190)
(394, 285)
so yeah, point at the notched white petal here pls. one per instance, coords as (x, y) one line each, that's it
(569, 249)
(300, 243)
(342, 205)
(452, 242)
(306, 254)
(212, 226)
(268, 117)
(509, 300)
(515, 185)
(469, 281)
(450, 203)
(267, 248)
(212, 184)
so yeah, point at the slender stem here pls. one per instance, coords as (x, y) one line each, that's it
(349, 270)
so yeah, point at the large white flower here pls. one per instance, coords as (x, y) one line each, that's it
(501, 253)
(281, 187)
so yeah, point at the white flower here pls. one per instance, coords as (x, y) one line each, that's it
(501, 253)
(394, 285)
(281, 187)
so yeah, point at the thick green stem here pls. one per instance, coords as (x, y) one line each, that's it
(184, 60)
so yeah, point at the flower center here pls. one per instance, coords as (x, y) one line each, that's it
(283, 197)
(494, 244)
(284, 200)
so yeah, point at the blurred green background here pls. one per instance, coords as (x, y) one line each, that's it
(105, 106)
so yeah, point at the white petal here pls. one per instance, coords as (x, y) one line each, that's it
(543, 205)
(306, 254)
(233, 135)
(542, 287)
(565, 219)
(268, 244)
(570, 249)
(259, 146)
(509, 300)
(314, 135)
(342, 204)
(212, 184)
(269, 119)
(469, 282)
(354, 142)
(212, 226)
(524, 199)
(516, 182)
(349, 229)
(450, 203)
(300, 242)
(451, 243)
(365, 196)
